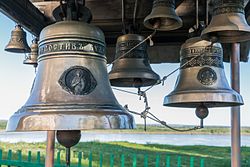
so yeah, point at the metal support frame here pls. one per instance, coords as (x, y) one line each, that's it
(235, 111)
(50, 149)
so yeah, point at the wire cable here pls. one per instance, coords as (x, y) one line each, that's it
(135, 12)
(123, 18)
(148, 37)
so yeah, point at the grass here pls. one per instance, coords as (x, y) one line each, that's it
(214, 156)
(159, 129)
(3, 124)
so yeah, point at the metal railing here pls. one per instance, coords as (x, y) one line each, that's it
(101, 159)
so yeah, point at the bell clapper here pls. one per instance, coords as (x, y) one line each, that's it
(151, 42)
(68, 139)
(201, 112)
(213, 39)
(201, 123)
(156, 23)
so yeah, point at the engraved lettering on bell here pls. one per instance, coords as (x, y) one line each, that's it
(78, 80)
(228, 6)
(207, 76)
(123, 47)
(62, 46)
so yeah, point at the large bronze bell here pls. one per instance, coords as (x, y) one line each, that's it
(202, 80)
(71, 90)
(18, 42)
(31, 59)
(132, 69)
(228, 24)
(163, 16)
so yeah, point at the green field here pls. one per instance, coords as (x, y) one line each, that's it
(213, 156)
(161, 129)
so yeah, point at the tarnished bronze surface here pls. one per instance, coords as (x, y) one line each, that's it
(63, 96)
(18, 42)
(132, 69)
(68, 138)
(228, 24)
(202, 78)
(163, 16)
(31, 59)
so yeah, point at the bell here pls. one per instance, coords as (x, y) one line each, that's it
(163, 16)
(132, 69)
(32, 57)
(71, 90)
(18, 43)
(228, 24)
(202, 80)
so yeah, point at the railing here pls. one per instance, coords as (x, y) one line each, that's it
(101, 159)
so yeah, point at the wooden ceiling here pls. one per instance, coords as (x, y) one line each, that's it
(107, 14)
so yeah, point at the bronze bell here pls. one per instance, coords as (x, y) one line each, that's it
(163, 16)
(228, 24)
(202, 80)
(18, 42)
(31, 59)
(132, 69)
(71, 90)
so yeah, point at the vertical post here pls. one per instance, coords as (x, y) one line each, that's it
(167, 161)
(179, 161)
(122, 160)
(67, 156)
(202, 162)
(112, 160)
(90, 159)
(101, 159)
(134, 160)
(49, 161)
(58, 158)
(29, 156)
(157, 161)
(191, 161)
(79, 159)
(145, 160)
(235, 111)
(38, 157)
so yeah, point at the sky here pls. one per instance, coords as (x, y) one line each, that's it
(16, 81)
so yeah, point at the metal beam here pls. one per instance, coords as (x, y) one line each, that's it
(24, 13)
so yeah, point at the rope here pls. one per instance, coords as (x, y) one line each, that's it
(140, 93)
(165, 124)
(148, 37)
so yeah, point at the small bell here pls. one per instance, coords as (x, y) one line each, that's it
(18, 42)
(228, 24)
(163, 16)
(31, 59)
(132, 69)
(202, 79)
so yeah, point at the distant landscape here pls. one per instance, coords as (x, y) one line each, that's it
(212, 155)
(156, 128)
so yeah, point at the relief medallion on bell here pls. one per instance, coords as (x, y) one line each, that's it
(77, 80)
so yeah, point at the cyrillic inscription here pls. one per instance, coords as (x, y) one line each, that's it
(62, 46)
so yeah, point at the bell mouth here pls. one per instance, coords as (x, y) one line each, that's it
(70, 117)
(163, 23)
(214, 98)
